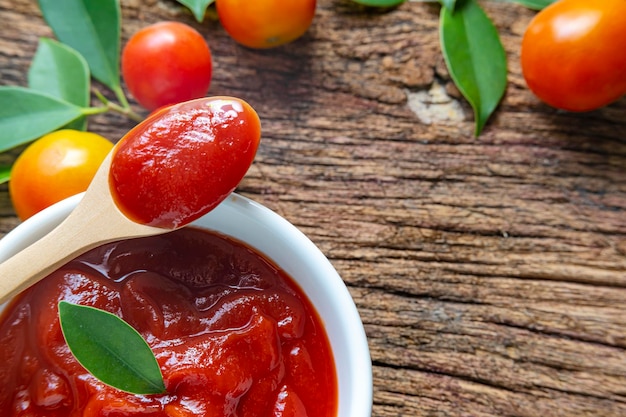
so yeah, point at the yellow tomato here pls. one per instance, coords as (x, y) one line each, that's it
(54, 167)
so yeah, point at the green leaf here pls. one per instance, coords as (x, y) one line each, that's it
(380, 3)
(532, 4)
(5, 173)
(61, 72)
(475, 58)
(197, 7)
(27, 114)
(110, 349)
(93, 29)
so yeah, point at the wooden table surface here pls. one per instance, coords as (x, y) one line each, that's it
(490, 272)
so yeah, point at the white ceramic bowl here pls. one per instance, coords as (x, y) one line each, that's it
(290, 249)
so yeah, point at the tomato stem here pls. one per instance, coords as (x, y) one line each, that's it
(122, 109)
(121, 97)
(126, 111)
(89, 111)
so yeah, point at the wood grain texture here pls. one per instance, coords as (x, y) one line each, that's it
(490, 272)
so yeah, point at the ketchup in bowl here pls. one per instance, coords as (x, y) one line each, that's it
(232, 333)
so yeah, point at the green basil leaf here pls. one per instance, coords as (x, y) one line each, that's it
(475, 58)
(5, 173)
(532, 4)
(380, 3)
(27, 114)
(448, 4)
(110, 349)
(61, 72)
(93, 29)
(197, 7)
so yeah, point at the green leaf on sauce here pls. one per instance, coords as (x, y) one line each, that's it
(475, 58)
(110, 349)
(197, 7)
(92, 28)
(61, 72)
(27, 114)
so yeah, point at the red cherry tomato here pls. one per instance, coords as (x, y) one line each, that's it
(184, 160)
(166, 63)
(574, 54)
(265, 23)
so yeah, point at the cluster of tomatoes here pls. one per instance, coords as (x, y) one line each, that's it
(572, 57)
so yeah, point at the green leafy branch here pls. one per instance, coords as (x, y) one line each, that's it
(59, 79)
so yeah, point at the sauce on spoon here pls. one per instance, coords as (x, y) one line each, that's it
(184, 160)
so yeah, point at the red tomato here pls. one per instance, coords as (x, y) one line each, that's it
(265, 23)
(574, 54)
(184, 160)
(166, 63)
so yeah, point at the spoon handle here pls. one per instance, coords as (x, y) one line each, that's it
(43, 257)
(95, 220)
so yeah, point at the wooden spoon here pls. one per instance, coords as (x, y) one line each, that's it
(95, 220)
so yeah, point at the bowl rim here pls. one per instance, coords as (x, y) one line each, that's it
(254, 224)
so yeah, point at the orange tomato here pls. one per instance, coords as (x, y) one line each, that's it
(265, 23)
(574, 54)
(54, 167)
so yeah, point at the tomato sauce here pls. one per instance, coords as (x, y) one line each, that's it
(233, 335)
